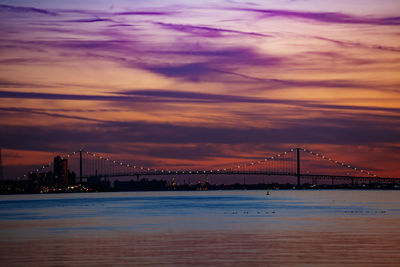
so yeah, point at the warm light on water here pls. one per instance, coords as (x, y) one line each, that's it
(201, 228)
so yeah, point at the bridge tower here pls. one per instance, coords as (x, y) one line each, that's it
(80, 165)
(298, 166)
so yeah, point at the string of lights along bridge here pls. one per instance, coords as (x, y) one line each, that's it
(296, 162)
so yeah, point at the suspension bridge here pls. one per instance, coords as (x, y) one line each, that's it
(302, 164)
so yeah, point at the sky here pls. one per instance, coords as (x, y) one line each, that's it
(200, 83)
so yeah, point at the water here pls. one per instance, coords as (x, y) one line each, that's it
(319, 228)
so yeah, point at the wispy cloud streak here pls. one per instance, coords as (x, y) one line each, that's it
(143, 13)
(19, 9)
(325, 17)
(166, 96)
(207, 31)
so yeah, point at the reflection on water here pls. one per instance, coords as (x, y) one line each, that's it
(201, 228)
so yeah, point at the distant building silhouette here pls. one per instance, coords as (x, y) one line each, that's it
(1, 168)
(61, 171)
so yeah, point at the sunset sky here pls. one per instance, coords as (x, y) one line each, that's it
(200, 83)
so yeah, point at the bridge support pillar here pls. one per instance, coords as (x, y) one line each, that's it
(80, 165)
(298, 166)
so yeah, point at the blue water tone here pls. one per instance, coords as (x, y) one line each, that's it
(232, 228)
(177, 211)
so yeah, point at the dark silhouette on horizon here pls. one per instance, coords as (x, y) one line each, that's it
(95, 173)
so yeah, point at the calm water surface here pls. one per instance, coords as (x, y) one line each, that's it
(224, 228)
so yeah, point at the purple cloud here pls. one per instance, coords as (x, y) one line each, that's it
(192, 72)
(102, 13)
(225, 65)
(316, 131)
(90, 20)
(228, 56)
(212, 63)
(161, 96)
(206, 31)
(326, 17)
(49, 114)
(121, 25)
(50, 96)
(117, 46)
(18, 9)
(12, 84)
(358, 44)
(142, 13)
(169, 95)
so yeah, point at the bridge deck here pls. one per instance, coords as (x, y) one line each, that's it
(223, 172)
